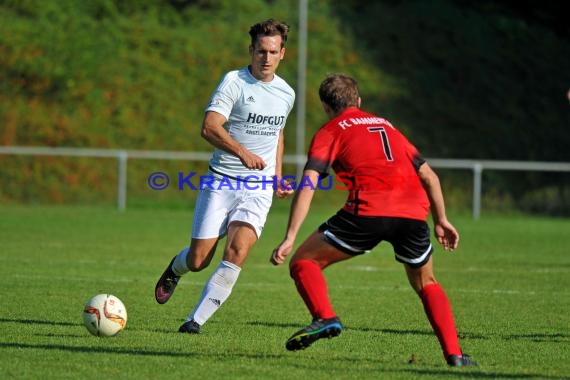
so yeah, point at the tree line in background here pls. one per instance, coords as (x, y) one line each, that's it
(462, 79)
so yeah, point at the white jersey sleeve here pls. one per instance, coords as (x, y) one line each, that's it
(256, 112)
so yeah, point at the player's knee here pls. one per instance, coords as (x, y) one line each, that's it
(236, 254)
(239, 250)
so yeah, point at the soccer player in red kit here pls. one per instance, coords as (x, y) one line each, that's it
(391, 189)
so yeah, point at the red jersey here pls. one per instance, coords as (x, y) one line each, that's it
(374, 162)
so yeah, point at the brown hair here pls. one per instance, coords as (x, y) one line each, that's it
(269, 27)
(339, 91)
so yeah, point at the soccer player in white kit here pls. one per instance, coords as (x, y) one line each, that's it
(244, 121)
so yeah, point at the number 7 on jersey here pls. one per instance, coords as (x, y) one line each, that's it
(385, 141)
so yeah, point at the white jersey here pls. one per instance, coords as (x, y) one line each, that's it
(256, 112)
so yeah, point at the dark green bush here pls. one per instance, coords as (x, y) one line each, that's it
(461, 79)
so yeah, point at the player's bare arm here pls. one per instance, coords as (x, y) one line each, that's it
(299, 210)
(214, 132)
(445, 232)
(283, 189)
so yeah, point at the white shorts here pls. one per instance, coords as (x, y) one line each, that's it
(216, 209)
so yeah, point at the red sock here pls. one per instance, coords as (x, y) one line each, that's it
(438, 310)
(312, 287)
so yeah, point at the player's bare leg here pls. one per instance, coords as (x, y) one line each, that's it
(438, 311)
(316, 249)
(199, 255)
(241, 238)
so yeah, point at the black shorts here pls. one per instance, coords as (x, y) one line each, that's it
(355, 235)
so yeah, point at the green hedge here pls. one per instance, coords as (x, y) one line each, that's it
(462, 81)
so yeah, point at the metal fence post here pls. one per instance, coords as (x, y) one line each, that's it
(122, 181)
(477, 179)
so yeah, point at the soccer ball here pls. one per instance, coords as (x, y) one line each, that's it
(104, 315)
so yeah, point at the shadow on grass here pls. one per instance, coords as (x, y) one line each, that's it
(273, 324)
(471, 372)
(457, 373)
(541, 337)
(38, 322)
(364, 329)
(62, 335)
(415, 372)
(449, 373)
(75, 324)
(128, 351)
(535, 337)
(369, 329)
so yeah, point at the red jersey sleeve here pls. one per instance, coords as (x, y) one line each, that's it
(413, 154)
(322, 152)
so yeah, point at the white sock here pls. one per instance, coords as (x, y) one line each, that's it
(179, 266)
(216, 291)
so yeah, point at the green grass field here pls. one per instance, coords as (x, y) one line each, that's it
(509, 285)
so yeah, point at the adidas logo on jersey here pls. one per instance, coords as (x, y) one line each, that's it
(251, 99)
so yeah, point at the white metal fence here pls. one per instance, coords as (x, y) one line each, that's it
(122, 156)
